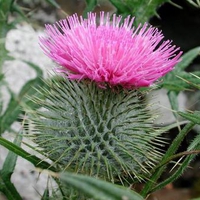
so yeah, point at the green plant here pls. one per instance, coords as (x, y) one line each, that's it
(136, 156)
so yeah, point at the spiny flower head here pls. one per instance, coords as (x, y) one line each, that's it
(109, 52)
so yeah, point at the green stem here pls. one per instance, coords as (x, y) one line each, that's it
(171, 150)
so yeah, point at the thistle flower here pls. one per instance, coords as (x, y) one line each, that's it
(110, 52)
(100, 132)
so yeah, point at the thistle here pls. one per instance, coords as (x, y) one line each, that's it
(94, 119)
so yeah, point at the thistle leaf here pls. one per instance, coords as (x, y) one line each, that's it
(193, 117)
(14, 109)
(187, 58)
(90, 6)
(195, 145)
(170, 81)
(98, 189)
(142, 10)
(37, 162)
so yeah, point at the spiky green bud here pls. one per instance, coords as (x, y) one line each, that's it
(106, 133)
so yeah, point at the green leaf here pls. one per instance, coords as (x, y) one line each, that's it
(30, 89)
(142, 10)
(1, 77)
(8, 167)
(122, 7)
(14, 107)
(9, 164)
(3, 51)
(10, 115)
(151, 184)
(90, 7)
(97, 189)
(9, 190)
(37, 69)
(145, 9)
(195, 145)
(53, 3)
(45, 195)
(179, 171)
(187, 59)
(37, 162)
(193, 117)
(1, 101)
(195, 82)
(172, 96)
(5, 6)
(16, 8)
(176, 80)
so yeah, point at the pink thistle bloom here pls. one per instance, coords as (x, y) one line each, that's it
(110, 52)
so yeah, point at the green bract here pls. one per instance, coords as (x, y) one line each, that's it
(86, 129)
